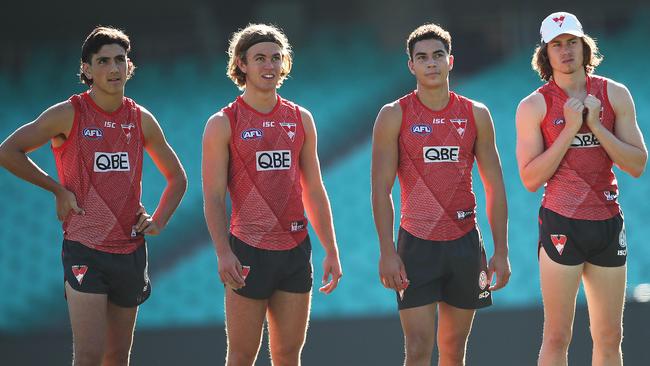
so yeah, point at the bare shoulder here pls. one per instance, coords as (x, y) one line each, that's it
(533, 101)
(617, 92)
(531, 108)
(389, 117)
(392, 111)
(60, 112)
(56, 120)
(147, 116)
(480, 110)
(307, 118)
(217, 125)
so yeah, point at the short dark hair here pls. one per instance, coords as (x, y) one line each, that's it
(99, 37)
(428, 31)
(590, 60)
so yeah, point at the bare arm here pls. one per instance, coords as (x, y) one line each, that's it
(625, 146)
(168, 164)
(536, 165)
(489, 166)
(214, 170)
(385, 157)
(317, 205)
(53, 124)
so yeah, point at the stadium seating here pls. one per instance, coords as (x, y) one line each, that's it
(344, 102)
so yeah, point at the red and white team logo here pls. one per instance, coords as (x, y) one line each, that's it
(290, 129)
(126, 128)
(622, 240)
(460, 125)
(482, 280)
(559, 241)
(79, 271)
(559, 21)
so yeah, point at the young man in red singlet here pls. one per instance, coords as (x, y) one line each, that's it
(98, 138)
(429, 139)
(570, 132)
(262, 149)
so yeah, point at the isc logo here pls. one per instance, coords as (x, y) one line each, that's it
(440, 154)
(585, 140)
(421, 129)
(111, 162)
(251, 133)
(93, 133)
(273, 160)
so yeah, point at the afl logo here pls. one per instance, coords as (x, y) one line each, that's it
(251, 134)
(93, 133)
(482, 280)
(421, 129)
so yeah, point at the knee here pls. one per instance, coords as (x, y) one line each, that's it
(91, 356)
(419, 345)
(452, 346)
(608, 337)
(287, 353)
(557, 339)
(240, 357)
(117, 357)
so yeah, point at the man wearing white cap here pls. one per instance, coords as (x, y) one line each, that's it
(570, 132)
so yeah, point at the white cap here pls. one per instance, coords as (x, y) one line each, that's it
(560, 23)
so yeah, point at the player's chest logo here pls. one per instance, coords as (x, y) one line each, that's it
(92, 133)
(290, 129)
(127, 130)
(252, 134)
(460, 124)
(421, 129)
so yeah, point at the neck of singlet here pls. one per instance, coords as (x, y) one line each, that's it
(443, 102)
(105, 106)
(572, 85)
(261, 104)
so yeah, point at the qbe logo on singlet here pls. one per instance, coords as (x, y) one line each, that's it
(111, 162)
(585, 140)
(273, 160)
(441, 154)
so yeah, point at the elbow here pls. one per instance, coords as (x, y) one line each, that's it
(179, 182)
(529, 179)
(637, 172)
(4, 155)
(531, 186)
(183, 183)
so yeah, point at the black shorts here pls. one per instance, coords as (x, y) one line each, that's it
(572, 242)
(452, 271)
(123, 277)
(270, 270)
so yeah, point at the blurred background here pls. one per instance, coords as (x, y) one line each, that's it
(349, 60)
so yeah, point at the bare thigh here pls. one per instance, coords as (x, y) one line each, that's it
(244, 323)
(288, 316)
(119, 335)
(89, 323)
(454, 326)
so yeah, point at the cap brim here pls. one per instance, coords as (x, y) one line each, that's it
(552, 36)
